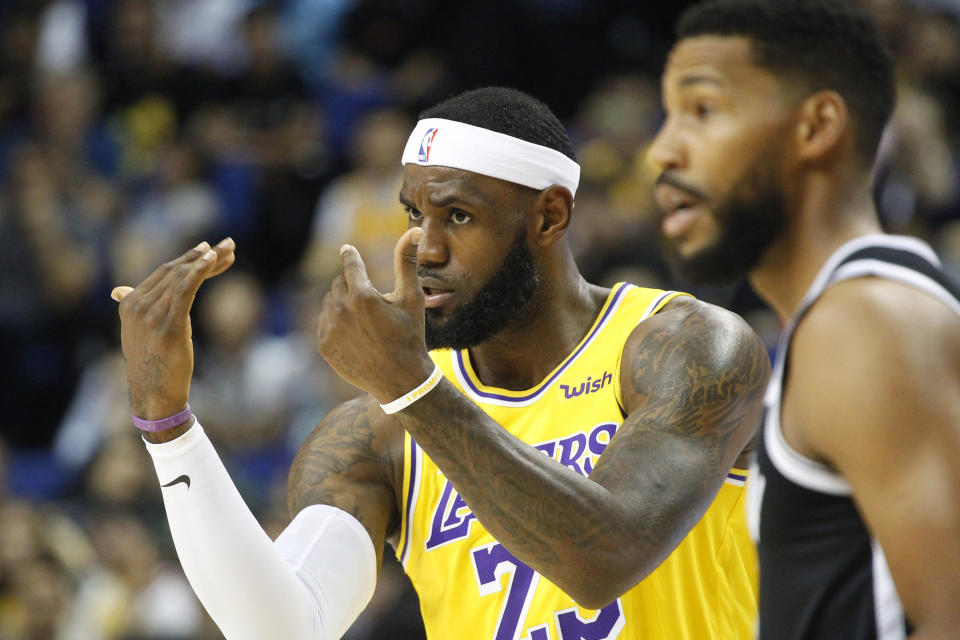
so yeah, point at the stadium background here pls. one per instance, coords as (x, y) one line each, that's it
(132, 129)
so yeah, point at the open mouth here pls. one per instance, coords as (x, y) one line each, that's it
(435, 296)
(680, 208)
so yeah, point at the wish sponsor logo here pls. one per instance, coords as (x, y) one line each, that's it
(588, 386)
(452, 517)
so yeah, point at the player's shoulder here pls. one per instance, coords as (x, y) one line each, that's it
(861, 364)
(701, 326)
(691, 333)
(865, 322)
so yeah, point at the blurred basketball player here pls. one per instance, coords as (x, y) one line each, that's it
(775, 111)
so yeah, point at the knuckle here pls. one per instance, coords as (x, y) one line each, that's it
(155, 316)
(364, 299)
(325, 303)
(166, 267)
(167, 328)
(139, 306)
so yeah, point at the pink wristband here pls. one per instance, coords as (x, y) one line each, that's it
(164, 424)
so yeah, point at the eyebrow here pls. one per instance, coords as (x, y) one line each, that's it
(465, 194)
(687, 81)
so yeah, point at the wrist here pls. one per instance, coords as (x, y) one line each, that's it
(166, 428)
(405, 380)
(159, 437)
(415, 393)
(156, 409)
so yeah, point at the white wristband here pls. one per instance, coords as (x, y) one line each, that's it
(406, 400)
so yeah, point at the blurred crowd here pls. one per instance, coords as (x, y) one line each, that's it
(130, 130)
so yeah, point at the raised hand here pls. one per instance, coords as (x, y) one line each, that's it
(376, 341)
(155, 330)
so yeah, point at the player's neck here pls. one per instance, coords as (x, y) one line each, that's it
(518, 359)
(824, 220)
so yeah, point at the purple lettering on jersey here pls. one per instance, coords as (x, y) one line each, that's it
(539, 633)
(492, 561)
(572, 449)
(547, 447)
(571, 391)
(606, 624)
(598, 446)
(449, 521)
(452, 517)
(587, 387)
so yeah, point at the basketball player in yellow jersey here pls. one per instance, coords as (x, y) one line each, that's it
(564, 463)
(704, 589)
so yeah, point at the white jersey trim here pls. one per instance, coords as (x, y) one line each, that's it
(904, 275)
(416, 471)
(887, 607)
(796, 467)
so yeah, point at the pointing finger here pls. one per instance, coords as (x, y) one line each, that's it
(407, 285)
(354, 271)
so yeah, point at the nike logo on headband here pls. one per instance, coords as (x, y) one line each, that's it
(184, 479)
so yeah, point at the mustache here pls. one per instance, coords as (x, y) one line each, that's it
(669, 180)
(426, 272)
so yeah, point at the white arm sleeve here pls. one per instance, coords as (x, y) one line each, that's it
(309, 585)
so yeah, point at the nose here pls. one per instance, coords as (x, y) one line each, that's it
(433, 251)
(666, 151)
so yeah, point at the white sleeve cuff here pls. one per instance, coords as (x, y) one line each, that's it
(309, 585)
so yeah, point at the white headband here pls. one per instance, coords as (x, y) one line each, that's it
(447, 143)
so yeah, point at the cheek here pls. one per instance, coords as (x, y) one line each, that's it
(468, 265)
(477, 253)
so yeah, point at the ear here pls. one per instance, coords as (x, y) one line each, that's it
(555, 205)
(824, 126)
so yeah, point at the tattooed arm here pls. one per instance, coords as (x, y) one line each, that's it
(353, 460)
(692, 379)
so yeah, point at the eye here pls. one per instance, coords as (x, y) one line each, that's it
(703, 110)
(459, 216)
(413, 214)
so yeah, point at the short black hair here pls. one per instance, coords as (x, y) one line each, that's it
(508, 111)
(822, 44)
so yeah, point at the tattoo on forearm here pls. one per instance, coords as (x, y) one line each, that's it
(697, 390)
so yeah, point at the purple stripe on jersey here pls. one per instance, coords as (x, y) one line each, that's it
(735, 476)
(656, 303)
(408, 517)
(497, 396)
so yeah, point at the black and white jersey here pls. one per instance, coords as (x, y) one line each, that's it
(822, 574)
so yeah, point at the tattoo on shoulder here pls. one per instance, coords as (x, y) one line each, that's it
(700, 376)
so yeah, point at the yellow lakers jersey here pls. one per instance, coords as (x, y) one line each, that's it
(470, 586)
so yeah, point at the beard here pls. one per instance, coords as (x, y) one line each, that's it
(504, 300)
(750, 219)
